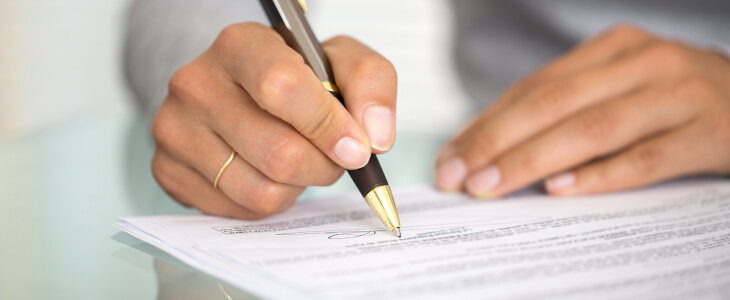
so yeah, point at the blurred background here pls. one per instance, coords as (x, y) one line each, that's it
(59, 60)
(62, 59)
(74, 153)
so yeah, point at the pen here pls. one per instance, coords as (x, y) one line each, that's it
(287, 18)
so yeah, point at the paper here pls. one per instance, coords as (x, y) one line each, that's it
(665, 241)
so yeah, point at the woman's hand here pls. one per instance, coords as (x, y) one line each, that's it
(623, 110)
(251, 93)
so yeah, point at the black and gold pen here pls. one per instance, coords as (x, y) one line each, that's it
(287, 18)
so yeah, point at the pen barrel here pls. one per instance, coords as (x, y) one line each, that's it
(287, 18)
(368, 177)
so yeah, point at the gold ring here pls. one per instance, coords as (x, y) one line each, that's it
(223, 168)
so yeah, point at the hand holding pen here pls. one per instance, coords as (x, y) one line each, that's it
(247, 125)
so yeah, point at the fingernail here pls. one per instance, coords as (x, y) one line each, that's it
(352, 153)
(379, 127)
(482, 183)
(451, 174)
(560, 181)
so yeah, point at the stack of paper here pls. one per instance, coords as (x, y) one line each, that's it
(665, 241)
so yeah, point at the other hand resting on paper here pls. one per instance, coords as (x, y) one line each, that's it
(251, 93)
(622, 110)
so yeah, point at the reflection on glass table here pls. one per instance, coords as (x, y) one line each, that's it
(63, 187)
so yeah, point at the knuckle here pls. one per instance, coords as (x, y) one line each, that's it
(670, 55)
(189, 85)
(554, 96)
(159, 171)
(232, 36)
(339, 39)
(332, 177)
(483, 144)
(182, 80)
(283, 159)
(278, 82)
(692, 89)
(168, 179)
(530, 164)
(374, 65)
(520, 87)
(594, 125)
(322, 124)
(163, 130)
(627, 31)
(266, 198)
(645, 159)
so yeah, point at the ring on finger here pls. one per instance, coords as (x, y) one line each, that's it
(223, 168)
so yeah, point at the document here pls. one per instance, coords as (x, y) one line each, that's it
(667, 241)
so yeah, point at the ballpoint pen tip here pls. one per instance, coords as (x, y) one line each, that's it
(396, 231)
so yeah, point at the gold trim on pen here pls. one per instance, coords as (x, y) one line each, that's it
(381, 202)
(330, 87)
(303, 5)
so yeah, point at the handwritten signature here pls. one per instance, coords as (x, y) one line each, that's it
(456, 227)
(337, 234)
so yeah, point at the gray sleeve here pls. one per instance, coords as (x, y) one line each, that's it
(500, 42)
(163, 35)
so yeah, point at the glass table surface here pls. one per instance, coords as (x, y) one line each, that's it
(62, 188)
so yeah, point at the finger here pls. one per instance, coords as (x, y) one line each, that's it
(663, 157)
(614, 44)
(239, 183)
(368, 83)
(535, 112)
(189, 188)
(604, 48)
(270, 145)
(278, 80)
(206, 153)
(595, 132)
(546, 106)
